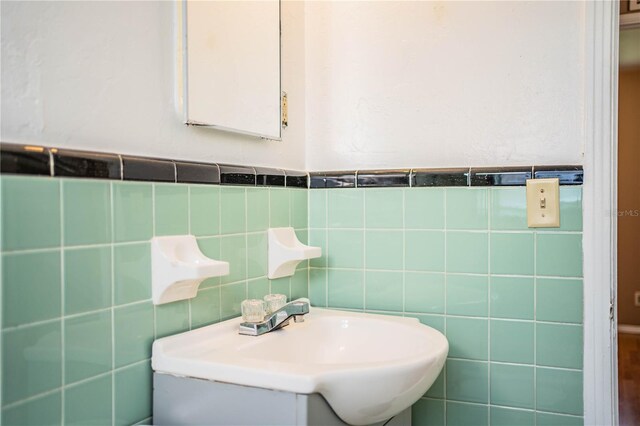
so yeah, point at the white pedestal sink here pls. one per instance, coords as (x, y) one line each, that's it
(368, 367)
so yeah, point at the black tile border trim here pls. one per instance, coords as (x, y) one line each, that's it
(44, 161)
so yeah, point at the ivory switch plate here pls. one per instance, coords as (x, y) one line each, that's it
(543, 203)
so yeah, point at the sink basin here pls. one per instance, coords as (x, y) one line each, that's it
(367, 367)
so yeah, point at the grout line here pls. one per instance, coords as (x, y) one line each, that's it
(488, 199)
(446, 287)
(535, 318)
(113, 302)
(63, 307)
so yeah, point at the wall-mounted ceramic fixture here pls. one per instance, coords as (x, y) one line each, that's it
(178, 267)
(286, 251)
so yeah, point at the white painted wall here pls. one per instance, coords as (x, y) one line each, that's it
(101, 76)
(440, 84)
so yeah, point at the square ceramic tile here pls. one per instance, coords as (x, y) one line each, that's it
(87, 279)
(258, 288)
(133, 394)
(89, 402)
(467, 381)
(559, 391)
(559, 255)
(317, 208)
(549, 419)
(559, 300)
(133, 328)
(279, 207)
(501, 416)
(559, 345)
(86, 211)
(132, 211)
(299, 284)
(428, 412)
(467, 208)
(318, 238)
(26, 275)
(345, 249)
(281, 286)
(383, 291)
(231, 296)
(467, 295)
(460, 414)
(204, 209)
(346, 289)
(132, 273)
(468, 338)
(45, 410)
(24, 376)
(30, 213)
(232, 210)
(210, 247)
(384, 250)
(257, 209)
(233, 249)
(570, 209)
(172, 318)
(424, 251)
(512, 297)
(318, 287)
(512, 385)
(171, 210)
(87, 345)
(257, 255)
(424, 208)
(383, 208)
(205, 307)
(512, 341)
(509, 209)
(424, 292)
(512, 254)
(467, 252)
(433, 321)
(299, 208)
(345, 208)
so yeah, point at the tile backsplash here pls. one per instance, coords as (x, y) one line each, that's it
(462, 260)
(77, 319)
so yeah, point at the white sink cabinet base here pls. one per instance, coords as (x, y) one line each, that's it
(189, 401)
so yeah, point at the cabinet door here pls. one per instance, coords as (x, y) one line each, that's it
(231, 65)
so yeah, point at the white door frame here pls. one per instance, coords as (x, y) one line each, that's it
(600, 212)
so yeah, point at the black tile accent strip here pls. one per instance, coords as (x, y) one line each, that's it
(440, 177)
(383, 178)
(568, 175)
(147, 169)
(237, 175)
(38, 160)
(501, 176)
(187, 172)
(266, 176)
(296, 179)
(80, 164)
(333, 179)
(24, 159)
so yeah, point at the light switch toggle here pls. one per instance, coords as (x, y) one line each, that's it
(543, 203)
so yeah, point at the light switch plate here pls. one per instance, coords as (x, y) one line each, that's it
(543, 203)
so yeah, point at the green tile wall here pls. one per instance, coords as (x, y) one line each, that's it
(77, 320)
(462, 260)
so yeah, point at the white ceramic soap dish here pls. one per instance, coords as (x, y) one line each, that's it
(286, 251)
(178, 267)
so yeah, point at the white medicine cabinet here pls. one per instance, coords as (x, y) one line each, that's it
(229, 60)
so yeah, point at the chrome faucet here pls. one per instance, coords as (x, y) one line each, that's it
(278, 319)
